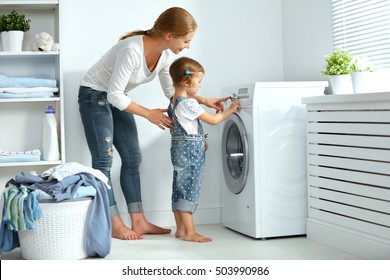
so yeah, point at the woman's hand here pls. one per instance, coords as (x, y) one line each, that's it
(158, 117)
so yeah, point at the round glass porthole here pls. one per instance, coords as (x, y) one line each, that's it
(235, 154)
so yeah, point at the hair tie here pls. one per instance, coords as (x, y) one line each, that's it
(187, 72)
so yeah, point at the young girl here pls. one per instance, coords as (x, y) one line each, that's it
(189, 144)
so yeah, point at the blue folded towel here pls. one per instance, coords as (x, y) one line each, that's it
(4, 95)
(19, 158)
(20, 82)
(32, 155)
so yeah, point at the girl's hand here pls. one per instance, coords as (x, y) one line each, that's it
(158, 117)
(235, 106)
(216, 103)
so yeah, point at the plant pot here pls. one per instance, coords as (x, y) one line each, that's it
(368, 82)
(361, 82)
(341, 84)
(12, 41)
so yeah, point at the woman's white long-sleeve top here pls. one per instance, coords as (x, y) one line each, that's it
(123, 68)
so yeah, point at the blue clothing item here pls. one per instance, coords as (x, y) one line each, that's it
(19, 158)
(17, 210)
(105, 126)
(9, 239)
(85, 191)
(32, 211)
(99, 219)
(5, 95)
(25, 82)
(13, 212)
(20, 211)
(21, 208)
(188, 159)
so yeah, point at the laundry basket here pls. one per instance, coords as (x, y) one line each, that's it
(60, 234)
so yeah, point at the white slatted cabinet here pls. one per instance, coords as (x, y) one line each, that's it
(348, 161)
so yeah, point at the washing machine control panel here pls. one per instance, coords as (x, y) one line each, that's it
(243, 93)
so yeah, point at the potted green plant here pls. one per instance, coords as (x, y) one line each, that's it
(339, 66)
(12, 28)
(364, 80)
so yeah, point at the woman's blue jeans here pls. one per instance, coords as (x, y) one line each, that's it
(106, 126)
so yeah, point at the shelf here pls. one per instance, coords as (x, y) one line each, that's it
(15, 100)
(30, 163)
(26, 113)
(40, 4)
(28, 54)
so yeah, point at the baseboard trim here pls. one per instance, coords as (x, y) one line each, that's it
(353, 242)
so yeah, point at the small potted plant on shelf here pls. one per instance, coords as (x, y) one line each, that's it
(363, 76)
(338, 66)
(12, 28)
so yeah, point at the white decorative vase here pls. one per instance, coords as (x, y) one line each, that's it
(361, 82)
(341, 84)
(12, 41)
(369, 82)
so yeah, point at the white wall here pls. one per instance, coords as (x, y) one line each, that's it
(236, 43)
(307, 38)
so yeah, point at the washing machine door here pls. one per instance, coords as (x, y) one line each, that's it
(235, 154)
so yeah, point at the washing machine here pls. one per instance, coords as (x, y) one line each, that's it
(264, 186)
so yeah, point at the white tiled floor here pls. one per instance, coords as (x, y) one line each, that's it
(226, 245)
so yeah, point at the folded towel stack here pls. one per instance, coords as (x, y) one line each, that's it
(27, 87)
(27, 156)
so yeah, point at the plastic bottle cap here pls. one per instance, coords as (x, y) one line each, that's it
(50, 110)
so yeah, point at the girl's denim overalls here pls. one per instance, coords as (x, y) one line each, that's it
(188, 159)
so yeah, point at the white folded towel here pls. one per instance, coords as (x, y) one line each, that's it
(30, 152)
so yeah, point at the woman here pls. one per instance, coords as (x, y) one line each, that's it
(108, 113)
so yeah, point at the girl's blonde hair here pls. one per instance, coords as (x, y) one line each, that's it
(182, 68)
(175, 20)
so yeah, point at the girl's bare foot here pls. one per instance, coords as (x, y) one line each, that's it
(196, 237)
(180, 229)
(121, 231)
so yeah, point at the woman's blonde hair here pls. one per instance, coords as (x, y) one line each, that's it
(175, 20)
(183, 68)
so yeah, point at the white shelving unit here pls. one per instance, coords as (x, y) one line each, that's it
(348, 147)
(21, 119)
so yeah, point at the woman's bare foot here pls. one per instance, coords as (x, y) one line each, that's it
(141, 226)
(121, 231)
(196, 237)
(148, 228)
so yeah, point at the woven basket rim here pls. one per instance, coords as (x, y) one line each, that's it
(65, 201)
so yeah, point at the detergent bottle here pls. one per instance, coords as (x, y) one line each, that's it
(50, 147)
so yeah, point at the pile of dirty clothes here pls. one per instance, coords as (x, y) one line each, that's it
(68, 181)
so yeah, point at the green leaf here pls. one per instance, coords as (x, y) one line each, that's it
(14, 21)
(339, 62)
